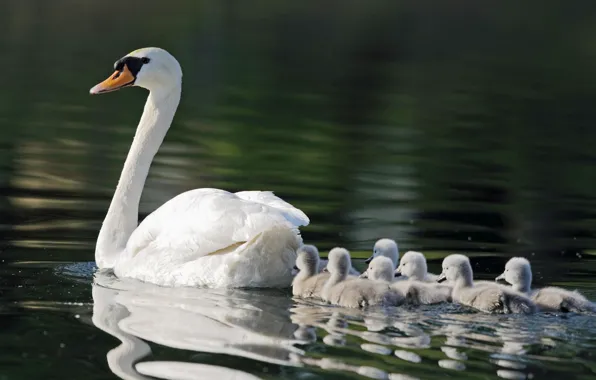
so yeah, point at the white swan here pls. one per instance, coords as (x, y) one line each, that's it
(384, 247)
(490, 298)
(518, 273)
(203, 237)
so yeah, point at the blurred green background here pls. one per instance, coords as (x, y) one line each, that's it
(450, 126)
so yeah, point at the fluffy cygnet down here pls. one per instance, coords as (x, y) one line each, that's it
(416, 292)
(357, 292)
(413, 266)
(308, 283)
(488, 298)
(384, 247)
(323, 266)
(518, 273)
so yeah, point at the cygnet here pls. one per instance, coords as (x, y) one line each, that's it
(358, 292)
(384, 247)
(518, 273)
(323, 268)
(416, 292)
(308, 283)
(488, 298)
(413, 266)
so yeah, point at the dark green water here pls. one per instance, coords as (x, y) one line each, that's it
(450, 127)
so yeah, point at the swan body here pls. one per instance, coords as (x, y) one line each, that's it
(308, 283)
(357, 292)
(518, 273)
(415, 292)
(488, 298)
(203, 237)
(384, 247)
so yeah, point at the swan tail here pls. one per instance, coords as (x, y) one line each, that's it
(577, 304)
(266, 260)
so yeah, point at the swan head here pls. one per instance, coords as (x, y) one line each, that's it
(308, 259)
(339, 262)
(413, 266)
(381, 269)
(387, 248)
(456, 268)
(518, 273)
(152, 68)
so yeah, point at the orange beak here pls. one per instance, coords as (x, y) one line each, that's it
(114, 82)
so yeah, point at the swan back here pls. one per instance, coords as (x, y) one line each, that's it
(558, 299)
(294, 215)
(423, 293)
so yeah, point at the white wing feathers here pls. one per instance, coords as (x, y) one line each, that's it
(200, 222)
(291, 213)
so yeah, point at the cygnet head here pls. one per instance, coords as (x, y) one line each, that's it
(413, 266)
(387, 248)
(518, 273)
(457, 269)
(380, 269)
(308, 259)
(152, 68)
(339, 263)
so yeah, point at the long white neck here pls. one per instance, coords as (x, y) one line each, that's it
(122, 217)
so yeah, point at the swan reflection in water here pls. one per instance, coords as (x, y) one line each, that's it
(270, 326)
(253, 325)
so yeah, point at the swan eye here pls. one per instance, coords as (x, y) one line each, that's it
(145, 60)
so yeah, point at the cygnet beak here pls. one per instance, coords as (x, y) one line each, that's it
(364, 274)
(397, 273)
(369, 259)
(501, 278)
(442, 277)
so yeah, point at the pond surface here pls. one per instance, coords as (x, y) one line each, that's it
(450, 127)
(63, 322)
